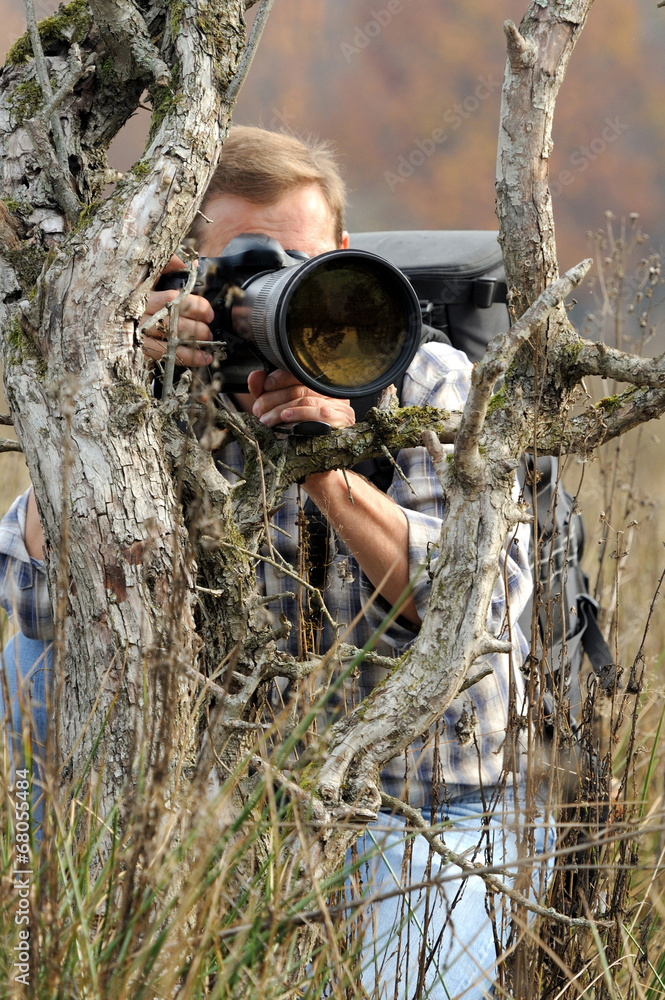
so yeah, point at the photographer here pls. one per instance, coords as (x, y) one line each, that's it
(276, 185)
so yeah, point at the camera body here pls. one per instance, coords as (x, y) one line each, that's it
(346, 323)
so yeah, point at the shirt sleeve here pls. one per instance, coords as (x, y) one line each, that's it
(440, 376)
(23, 587)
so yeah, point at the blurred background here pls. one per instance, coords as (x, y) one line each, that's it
(379, 77)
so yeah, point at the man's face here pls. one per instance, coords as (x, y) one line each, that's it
(301, 220)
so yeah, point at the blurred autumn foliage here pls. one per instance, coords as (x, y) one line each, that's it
(409, 92)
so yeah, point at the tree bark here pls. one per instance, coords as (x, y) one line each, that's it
(77, 382)
(134, 511)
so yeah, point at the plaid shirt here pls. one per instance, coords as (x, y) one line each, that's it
(23, 590)
(438, 376)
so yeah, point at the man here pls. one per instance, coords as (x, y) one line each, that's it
(276, 185)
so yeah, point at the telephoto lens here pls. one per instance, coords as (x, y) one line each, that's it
(346, 323)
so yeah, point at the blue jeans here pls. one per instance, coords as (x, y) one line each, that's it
(27, 665)
(451, 941)
(439, 948)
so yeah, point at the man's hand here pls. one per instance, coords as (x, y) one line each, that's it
(195, 315)
(279, 398)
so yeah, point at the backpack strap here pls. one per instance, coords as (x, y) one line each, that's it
(569, 619)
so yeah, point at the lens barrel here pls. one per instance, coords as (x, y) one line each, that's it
(346, 323)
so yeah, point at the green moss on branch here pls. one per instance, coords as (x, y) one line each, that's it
(27, 260)
(25, 101)
(69, 24)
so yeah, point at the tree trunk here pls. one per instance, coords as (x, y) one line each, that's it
(120, 565)
(133, 509)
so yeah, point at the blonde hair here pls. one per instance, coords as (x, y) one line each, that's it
(263, 166)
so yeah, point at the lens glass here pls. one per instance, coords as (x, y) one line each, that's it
(346, 321)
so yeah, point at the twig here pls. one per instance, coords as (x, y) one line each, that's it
(6, 420)
(469, 463)
(470, 681)
(6, 444)
(48, 161)
(47, 91)
(173, 309)
(415, 818)
(348, 487)
(398, 470)
(291, 669)
(284, 568)
(348, 652)
(250, 50)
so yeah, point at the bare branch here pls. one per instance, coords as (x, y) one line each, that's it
(6, 444)
(124, 29)
(45, 84)
(468, 461)
(391, 429)
(608, 419)
(415, 818)
(596, 358)
(250, 50)
(475, 678)
(173, 309)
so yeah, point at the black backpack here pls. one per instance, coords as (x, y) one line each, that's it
(460, 282)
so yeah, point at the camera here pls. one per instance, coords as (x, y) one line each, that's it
(346, 323)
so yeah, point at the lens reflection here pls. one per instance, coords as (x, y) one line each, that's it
(347, 322)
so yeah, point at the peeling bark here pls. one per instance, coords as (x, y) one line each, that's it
(77, 383)
(149, 549)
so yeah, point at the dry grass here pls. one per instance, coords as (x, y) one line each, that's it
(116, 912)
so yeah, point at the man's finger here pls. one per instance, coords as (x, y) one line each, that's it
(193, 307)
(175, 264)
(188, 357)
(279, 379)
(281, 397)
(255, 382)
